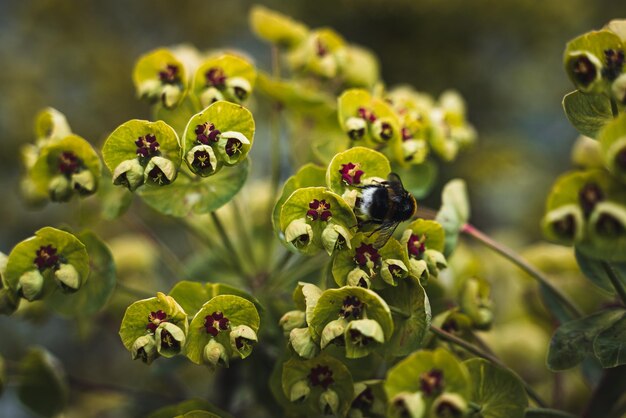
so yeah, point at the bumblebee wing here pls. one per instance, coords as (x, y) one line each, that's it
(385, 231)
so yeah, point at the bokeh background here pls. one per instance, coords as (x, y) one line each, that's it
(505, 57)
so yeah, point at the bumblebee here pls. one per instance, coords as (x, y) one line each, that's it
(386, 204)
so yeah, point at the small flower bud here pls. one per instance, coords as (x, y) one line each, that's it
(68, 278)
(475, 302)
(159, 171)
(238, 88)
(335, 236)
(382, 130)
(435, 261)
(391, 270)
(60, 188)
(359, 277)
(302, 343)
(144, 348)
(419, 269)
(202, 159)
(333, 331)
(169, 339)
(129, 173)
(84, 182)
(215, 354)
(356, 128)
(362, 336)
(292, 320)
(242, 339)
(30, 285)
(409, 405)
(329, 402)
(299, 233)
(299, 391)
(170, 95)
(210, 95)
(233, 147)
(449, 405)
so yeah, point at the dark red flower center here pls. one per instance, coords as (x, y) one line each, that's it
(352, 307)
(168, 340)
(46, 256)
(201, 159)
(320, 48)
(147, 146)
(215, 77)
(170, 74)
(321, 376)
(431, 383)
(366, 114)
(416, 245)
(319, 209)
(584, 70)
(364, 401)
(351, 173)
(359, 339)
(406, 134)
(233, 146)
(614, 63)
(365, 253)
(155, 319)
(589, 196)
(215, 323)
(206, 133)
(386, 131)
(69, 163)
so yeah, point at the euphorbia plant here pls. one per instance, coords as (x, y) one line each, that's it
(382, 321)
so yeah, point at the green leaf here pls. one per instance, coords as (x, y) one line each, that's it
(42, 384)
(192, 295)
(192, 405)
(136, 317)
(276, 27)
(418, 179)
(305, 296)
(189, 196)
(373, 164)
(547, 413)
(97, 289)
(454, 212)
(410, 298)
(309, 175)
(296, 370)
(405, 375)
(22, 257)
(238, 310)
(114, 200)
(331, 302)
(609, 345)
(498, 391)
(587, 112)
(573, 340)
(225, 117)
(595, 271)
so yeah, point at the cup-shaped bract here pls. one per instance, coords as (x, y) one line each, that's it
(450, 130)
(227, 128)
(307, 213)
(160, 76)
(420, 236)
(224, 77)
(475, 302)
(307, 382)
(350, 304)
(612, 140)
(66, 166)
(230, 320)
(50, 125)
(362, 336)
(161, 318)
(302, 343)
(593, 60)
(276, 27)
(354, 168)
(320, 54)
(52, 259)
(142, 152)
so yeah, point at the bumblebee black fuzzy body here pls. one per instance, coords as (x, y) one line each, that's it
(387, 204)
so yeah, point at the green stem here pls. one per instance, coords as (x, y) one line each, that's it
(615, 281)
(398, 311)
(244, 234)
(282, 263)
(453, 339)
(524, 265)
(228, 243)
(275, 127)
(614, 109)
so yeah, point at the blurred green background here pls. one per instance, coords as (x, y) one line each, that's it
(503, 56)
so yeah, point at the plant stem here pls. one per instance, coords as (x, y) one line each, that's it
(244, 234)
(228, 243)
(275, 127)
(615, 281)
(523, 264)
(614, 109)
(453, 339)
